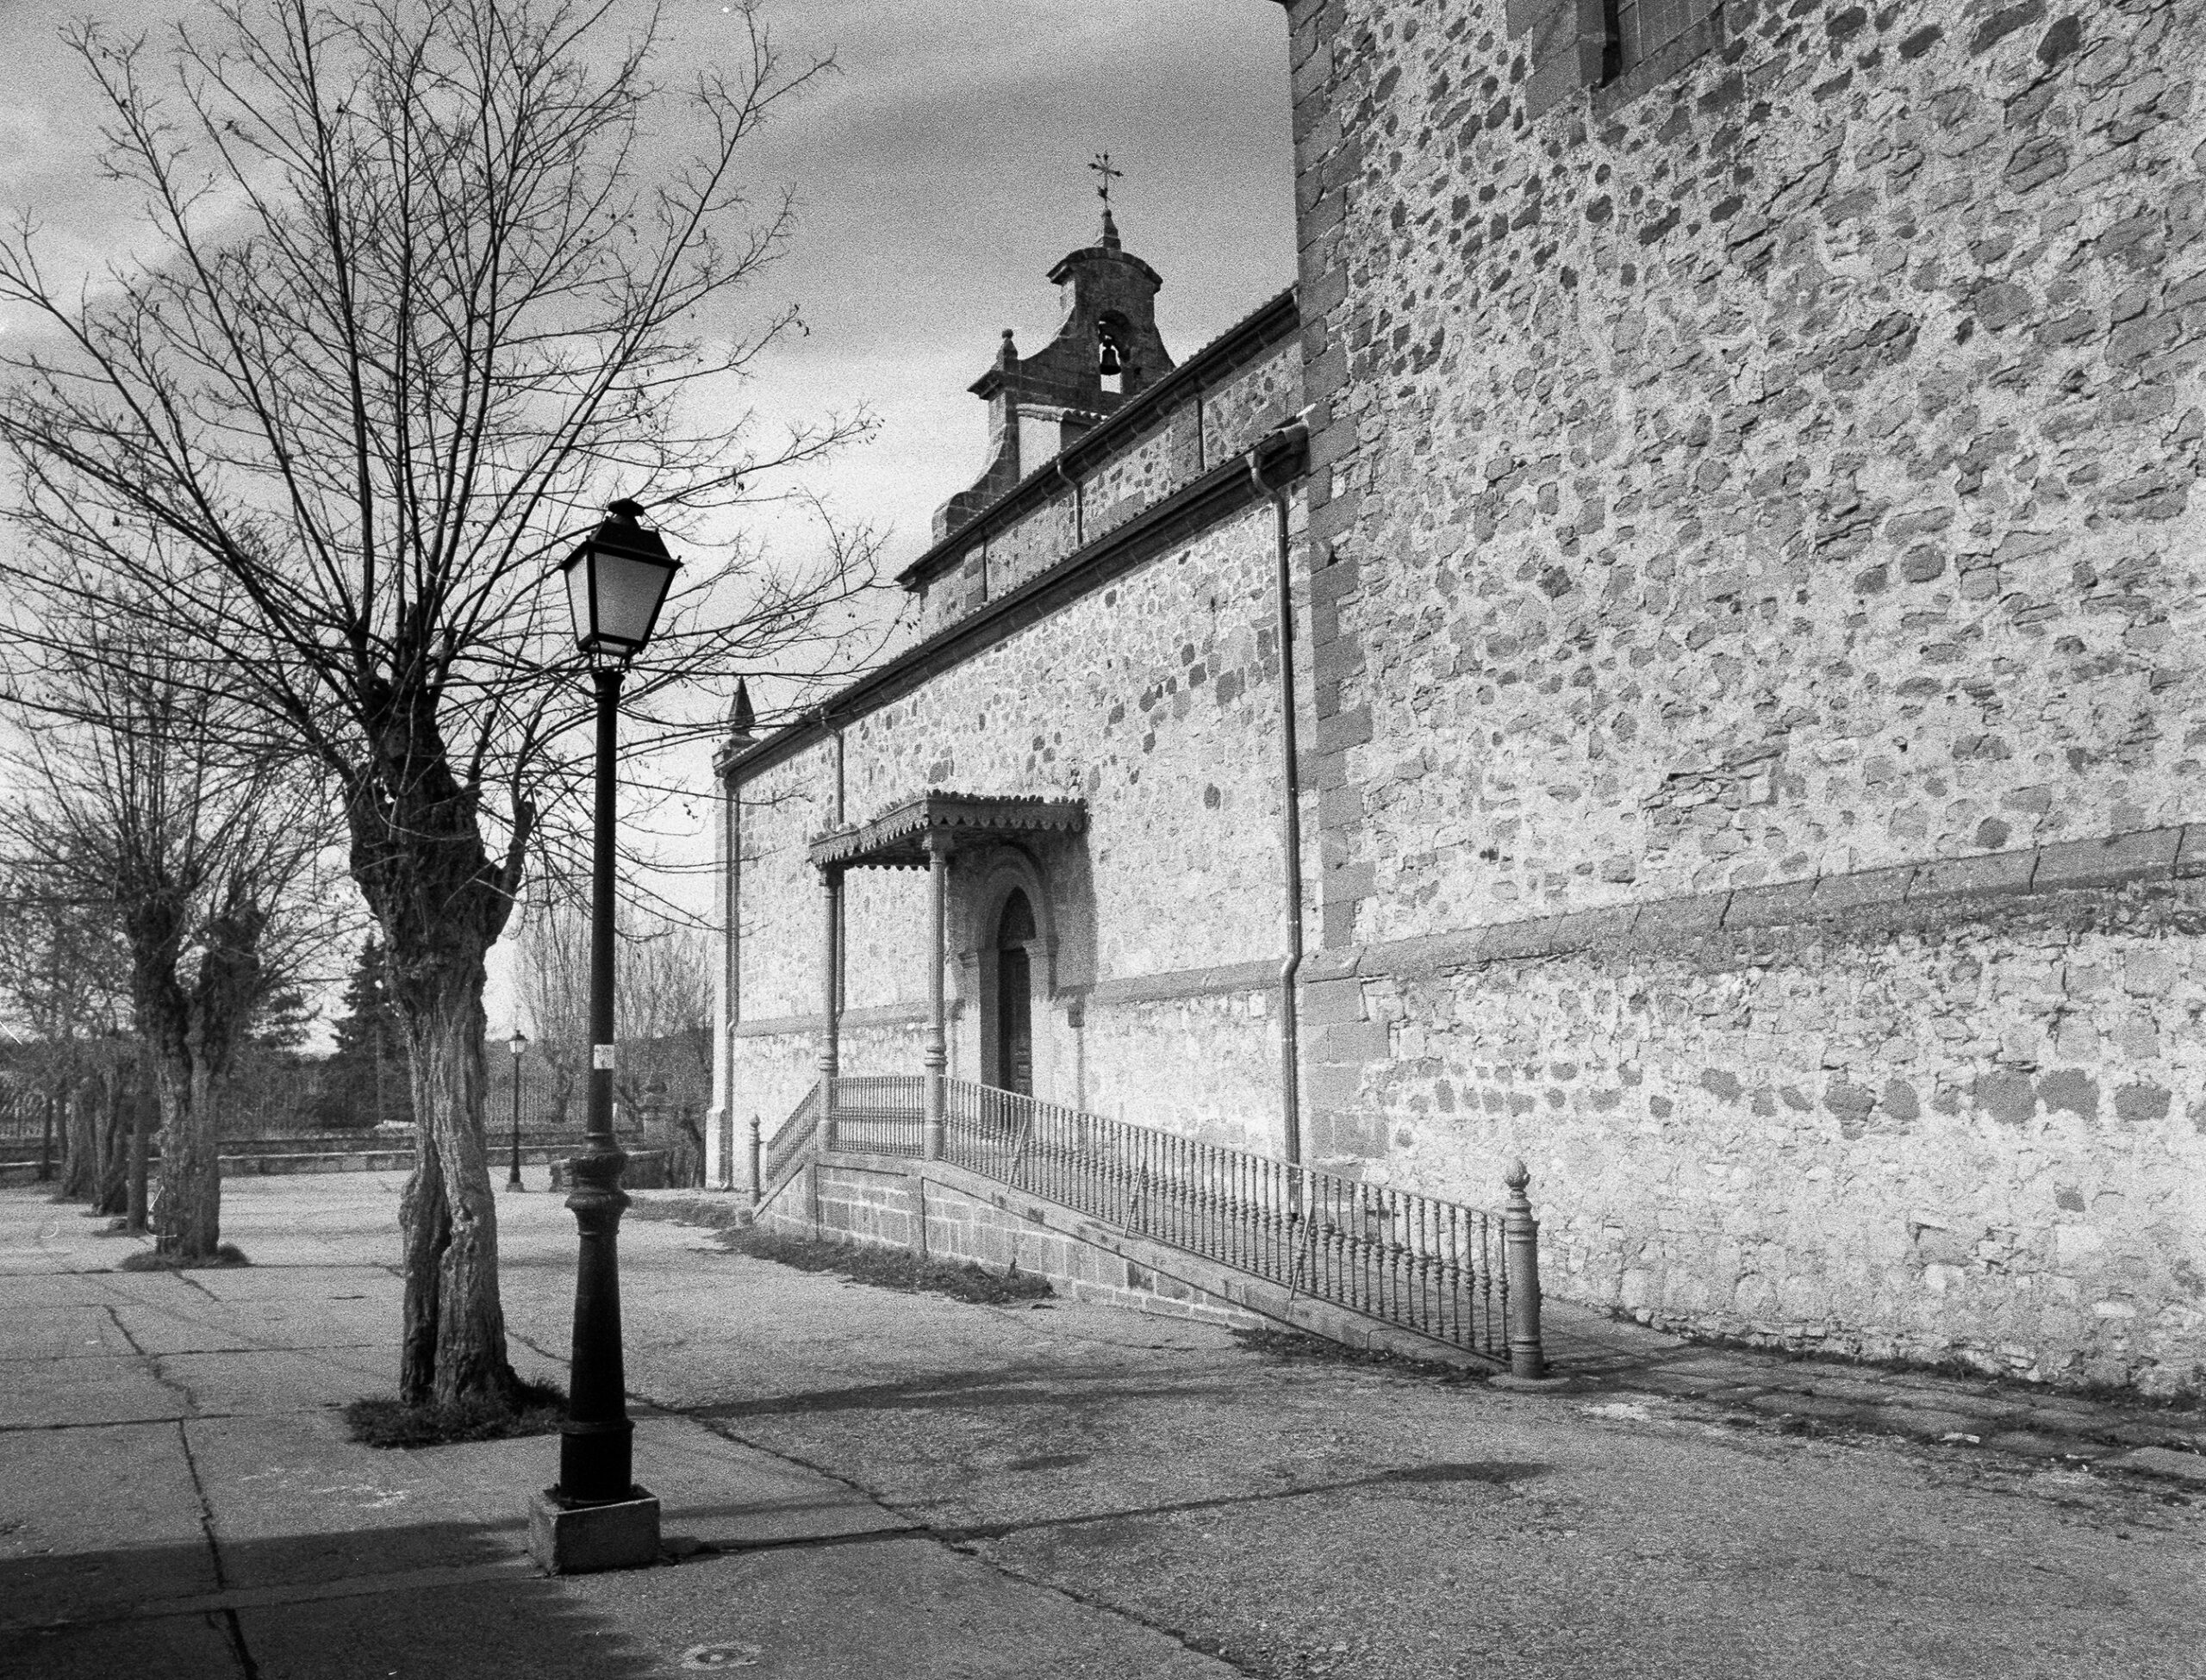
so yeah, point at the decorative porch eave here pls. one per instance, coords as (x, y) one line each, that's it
(897, 839)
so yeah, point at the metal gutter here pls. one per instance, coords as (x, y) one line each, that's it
(1290, 1034)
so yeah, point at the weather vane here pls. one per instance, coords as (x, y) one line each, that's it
(1102, 167)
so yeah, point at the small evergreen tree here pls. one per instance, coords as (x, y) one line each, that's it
(280, 1025)
(366, 1083)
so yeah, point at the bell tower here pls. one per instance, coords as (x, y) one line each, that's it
(1107, 350)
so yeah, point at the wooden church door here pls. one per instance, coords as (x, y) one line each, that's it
(1015, 997)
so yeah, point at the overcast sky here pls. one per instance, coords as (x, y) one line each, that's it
(940, 174)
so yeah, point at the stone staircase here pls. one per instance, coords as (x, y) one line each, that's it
(1137, 1218)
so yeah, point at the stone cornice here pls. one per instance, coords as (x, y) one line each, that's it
(1945, 885)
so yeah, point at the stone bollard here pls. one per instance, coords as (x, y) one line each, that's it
(758, 1181)
(1521, 1249)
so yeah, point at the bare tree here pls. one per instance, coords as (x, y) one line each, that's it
(405, 316)
(552, 975)
(661, 990)
(664, 994)
(198, 860)
(64, 984)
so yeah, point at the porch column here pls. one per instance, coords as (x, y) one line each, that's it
(720, 1122)
(937, 1051)
(831, 991)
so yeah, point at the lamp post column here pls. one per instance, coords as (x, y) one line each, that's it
(513, 1176)
(596, 1441)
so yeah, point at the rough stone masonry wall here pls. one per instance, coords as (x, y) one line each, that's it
(1950, 1134)
(1787, 473)
(1155, 699)
(775, 1043)
(1213, 418)
(1780, 474)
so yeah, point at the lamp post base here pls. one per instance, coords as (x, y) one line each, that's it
(567, 1539)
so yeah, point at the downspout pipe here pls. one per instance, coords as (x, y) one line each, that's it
(1290, 1024)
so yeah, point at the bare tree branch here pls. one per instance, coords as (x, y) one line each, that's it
(405, 312)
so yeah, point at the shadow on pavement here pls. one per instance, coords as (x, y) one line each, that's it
(1050, 1385)
(151, 1612)
(1492, 1474)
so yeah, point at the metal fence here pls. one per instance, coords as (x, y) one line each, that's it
(1433, 1266)
(877, 1114)
(25, 1115)
(27, 1129)
(787, 1147)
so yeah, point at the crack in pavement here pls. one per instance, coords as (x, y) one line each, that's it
(950, 1539)
(116, 1422)
(232, 1629)
(153, 1362)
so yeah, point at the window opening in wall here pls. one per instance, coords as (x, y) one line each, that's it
(1015, 996)
(1638, 29)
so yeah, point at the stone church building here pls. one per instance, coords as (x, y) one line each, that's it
(1674, 653)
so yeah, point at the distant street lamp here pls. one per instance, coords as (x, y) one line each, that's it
(517, 1044)
(616, 582)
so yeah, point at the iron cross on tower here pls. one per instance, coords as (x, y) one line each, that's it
(1102, 167)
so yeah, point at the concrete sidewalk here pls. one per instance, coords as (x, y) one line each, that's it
(896, 1484)
(178, 1496)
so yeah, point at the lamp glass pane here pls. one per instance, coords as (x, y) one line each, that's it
(578, 571)
(629, 589)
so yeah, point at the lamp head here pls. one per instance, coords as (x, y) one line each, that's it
(617, 581)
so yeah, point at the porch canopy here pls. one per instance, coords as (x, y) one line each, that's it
(920, 834)
(899, 839)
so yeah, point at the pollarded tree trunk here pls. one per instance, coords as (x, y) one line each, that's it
(419, 858)
(188, 1208)
(455, 1326)
(111, 1129)
(140, 1202)
(79, 1148)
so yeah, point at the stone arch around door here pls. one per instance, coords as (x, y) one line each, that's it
(1012, 1039)
(1027, 963)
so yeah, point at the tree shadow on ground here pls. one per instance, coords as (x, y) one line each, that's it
(445, 1599)
(1036, 1385)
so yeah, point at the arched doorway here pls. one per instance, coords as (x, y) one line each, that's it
(1014, 1010)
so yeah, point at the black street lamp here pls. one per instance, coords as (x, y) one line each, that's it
(517, 1044)
(616, 582)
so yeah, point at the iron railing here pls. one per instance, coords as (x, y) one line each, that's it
(25, 1117)
(1433, 1266)
(877, 1114)
(787, 1149)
